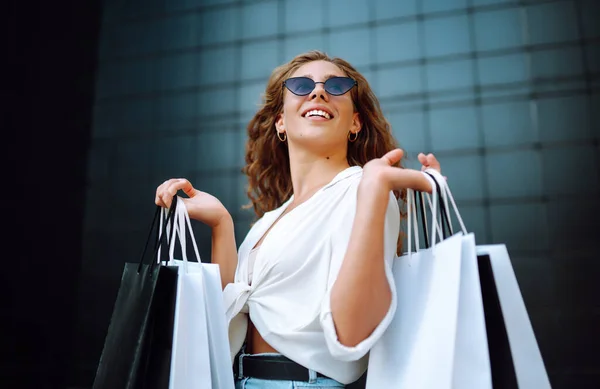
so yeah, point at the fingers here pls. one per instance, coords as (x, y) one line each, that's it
(168, 189)
(392, 157)
(429, 161)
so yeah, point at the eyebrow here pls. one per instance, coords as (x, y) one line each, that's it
(327, 76)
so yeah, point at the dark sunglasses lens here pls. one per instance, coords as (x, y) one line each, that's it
(338, 85)
(300, 85)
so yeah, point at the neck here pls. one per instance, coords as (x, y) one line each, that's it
(310, 171)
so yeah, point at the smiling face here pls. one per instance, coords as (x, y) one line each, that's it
(319, 121)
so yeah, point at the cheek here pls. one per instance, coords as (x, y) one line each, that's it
(346, 111)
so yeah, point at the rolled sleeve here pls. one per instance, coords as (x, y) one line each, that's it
(339, 246)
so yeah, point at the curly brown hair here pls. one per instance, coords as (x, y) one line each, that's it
(267, 158)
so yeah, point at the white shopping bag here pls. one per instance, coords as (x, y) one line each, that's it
(215, 371)
(218, 337)
(417, 350)
(524, 365)
(190, 358)
(471, 354)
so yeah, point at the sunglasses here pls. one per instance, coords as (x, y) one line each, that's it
(335, 86)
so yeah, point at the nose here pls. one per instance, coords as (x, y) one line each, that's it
(319, 91)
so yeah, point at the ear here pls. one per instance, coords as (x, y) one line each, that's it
(279, 123)
(356, 123)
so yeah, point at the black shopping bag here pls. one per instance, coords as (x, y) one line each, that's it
(515, 356)
(501, 361)
(137, 347)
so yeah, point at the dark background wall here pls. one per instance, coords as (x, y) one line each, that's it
(107, 100)
(49, 60)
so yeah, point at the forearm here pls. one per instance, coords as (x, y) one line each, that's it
(361, 294)
(224, 251)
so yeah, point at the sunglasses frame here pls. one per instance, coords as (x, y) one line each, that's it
(355, 83)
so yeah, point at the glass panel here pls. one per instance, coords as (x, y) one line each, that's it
(179, 71)
(593, 57)
(443, 5)
(300, 44)
(259, 19)
(490, 2)
(498, 29)
(180, 32)
(177, 111)
(564, 118)
(447, 36)
(590, 9)
(216, 101)
(409, 130)
(107, 116)
(552, 22)
(502, 70)
(217, 149)
(465, 176)
(218, 25)
(251, 97)
(393, 8)
(174, 157)
(570, 223)
(98, 168)
(217, 66)
(140, 76)
(508, 123)
(514, 174)
(259, 59)
(137, 116)
(560, 171)
(555, 63)
(344, 12)
(222, 186)
(109, 80)
(304, 15)
(454, 128)
(188, 4)
(474, 217)
(594, 101)
(137, 38)
(133, 158)
(353, 46)
(450, 75)
(398, 81)
(397, 42)
(520, 226)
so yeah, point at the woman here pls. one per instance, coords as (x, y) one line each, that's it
(310, 290)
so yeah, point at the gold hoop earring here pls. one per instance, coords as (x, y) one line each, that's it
(284, 136)
(350, 136)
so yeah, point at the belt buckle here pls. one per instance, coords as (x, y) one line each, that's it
(241, 366)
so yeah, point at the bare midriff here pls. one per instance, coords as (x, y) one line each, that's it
(255, 344)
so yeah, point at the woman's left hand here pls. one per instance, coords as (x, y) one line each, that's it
(381, 174)
(429, 161)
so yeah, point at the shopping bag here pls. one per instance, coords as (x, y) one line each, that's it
(417, 349)
(514, 351)
(471, 354)
(514, 355)
(200, 341)
(137, 347)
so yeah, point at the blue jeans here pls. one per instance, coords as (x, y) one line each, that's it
(255, 383)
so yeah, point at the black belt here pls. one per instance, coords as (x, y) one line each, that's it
(270, 367)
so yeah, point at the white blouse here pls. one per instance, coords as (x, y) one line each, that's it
(298, 262)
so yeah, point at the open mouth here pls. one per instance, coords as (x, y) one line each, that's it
(318, 113)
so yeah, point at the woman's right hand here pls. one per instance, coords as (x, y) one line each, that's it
(201, 206)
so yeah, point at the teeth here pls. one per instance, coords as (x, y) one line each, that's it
(318, 112)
